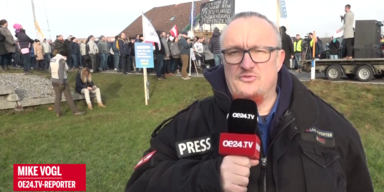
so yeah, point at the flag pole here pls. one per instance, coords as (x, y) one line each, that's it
(34, 19)
(278, 14)
(145, 69)
(193, 34)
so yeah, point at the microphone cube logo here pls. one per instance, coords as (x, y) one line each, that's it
(238, 144)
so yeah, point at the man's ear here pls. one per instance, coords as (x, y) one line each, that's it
(280, 59)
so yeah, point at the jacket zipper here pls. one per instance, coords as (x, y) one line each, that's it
(264, 158)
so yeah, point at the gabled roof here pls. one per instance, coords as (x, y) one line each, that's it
(161, 18)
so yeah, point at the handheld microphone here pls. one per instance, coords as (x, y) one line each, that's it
(241, 139)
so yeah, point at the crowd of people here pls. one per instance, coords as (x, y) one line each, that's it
(171, 56)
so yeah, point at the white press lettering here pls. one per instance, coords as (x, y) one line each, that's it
(197, 146)
(202, 143)
(190, 147)
(182, 148)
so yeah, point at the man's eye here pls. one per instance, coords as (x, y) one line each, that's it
(234, 52)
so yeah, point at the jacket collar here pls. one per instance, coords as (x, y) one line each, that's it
(295, 97)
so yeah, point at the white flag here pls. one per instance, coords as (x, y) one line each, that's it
(149, 32)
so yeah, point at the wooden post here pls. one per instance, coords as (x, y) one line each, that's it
(145, 85)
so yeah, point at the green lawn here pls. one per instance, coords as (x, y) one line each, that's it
(111, 140)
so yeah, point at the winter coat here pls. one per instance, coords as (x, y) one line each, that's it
(9, 42)
(39, 51)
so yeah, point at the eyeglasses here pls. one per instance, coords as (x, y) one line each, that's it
(258, 54)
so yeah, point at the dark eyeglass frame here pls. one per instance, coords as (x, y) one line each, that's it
(268, 48)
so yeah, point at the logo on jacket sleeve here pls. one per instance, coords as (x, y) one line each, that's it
(145, 159)
(191, 147)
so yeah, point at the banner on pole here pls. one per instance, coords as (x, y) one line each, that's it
(283, 9)
(144, 55)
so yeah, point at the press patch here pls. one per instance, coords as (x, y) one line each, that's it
(321, 133)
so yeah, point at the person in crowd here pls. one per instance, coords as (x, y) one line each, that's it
(131, 46)
(93, 51)
(185, 46)
(59, 77)
(319, 46)
(137, 39)
(8, 43)
(83, 52)
(67, 47)
(334, 46)
(58, 45)
(305, 144)
(167, 59)
(160, 55)
(103, 49)
(116, 53)
(209, 58)
(85, 86)
(199, 51)
(214, 46)
(298, 49)
(47, 53)
(39, 55)
(287, 46)
(124, 51)
(75, 51)
(25, 46)
(110, 61)
(32, 57)
(3, 51)
(349, 34)
(175, 52)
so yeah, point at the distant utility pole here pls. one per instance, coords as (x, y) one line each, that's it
(34, 19)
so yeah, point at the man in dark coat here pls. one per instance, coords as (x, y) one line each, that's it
(287, 46)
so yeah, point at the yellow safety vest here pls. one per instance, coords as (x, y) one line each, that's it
(382, 40)
(311, 43)
(297, 45)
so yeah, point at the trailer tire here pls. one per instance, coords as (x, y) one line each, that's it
(333, 73)
(379, 76)
(364, 73)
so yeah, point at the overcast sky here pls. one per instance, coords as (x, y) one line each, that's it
(82, 18)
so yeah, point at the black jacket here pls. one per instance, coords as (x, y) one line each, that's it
(334, 47)
(24, 40)
(162, 50)
(295, 161)
(75, 48)
(214, 42)
(287, 45)
(81, 85)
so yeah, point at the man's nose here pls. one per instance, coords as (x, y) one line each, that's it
(247, 62)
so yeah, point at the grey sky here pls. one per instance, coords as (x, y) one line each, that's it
(82, 18)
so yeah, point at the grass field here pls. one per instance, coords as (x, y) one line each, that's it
(111, 141)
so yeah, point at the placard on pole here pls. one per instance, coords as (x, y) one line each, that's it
(144, 60)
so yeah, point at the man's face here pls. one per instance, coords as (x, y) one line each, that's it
(123, 36)
(297, 37)
(346, 9)
(49, 41)
(60, 37)
(5, 25)
(103, 39)
(250, 80)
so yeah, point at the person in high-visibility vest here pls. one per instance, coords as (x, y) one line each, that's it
(382, 41)
(298, 48)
